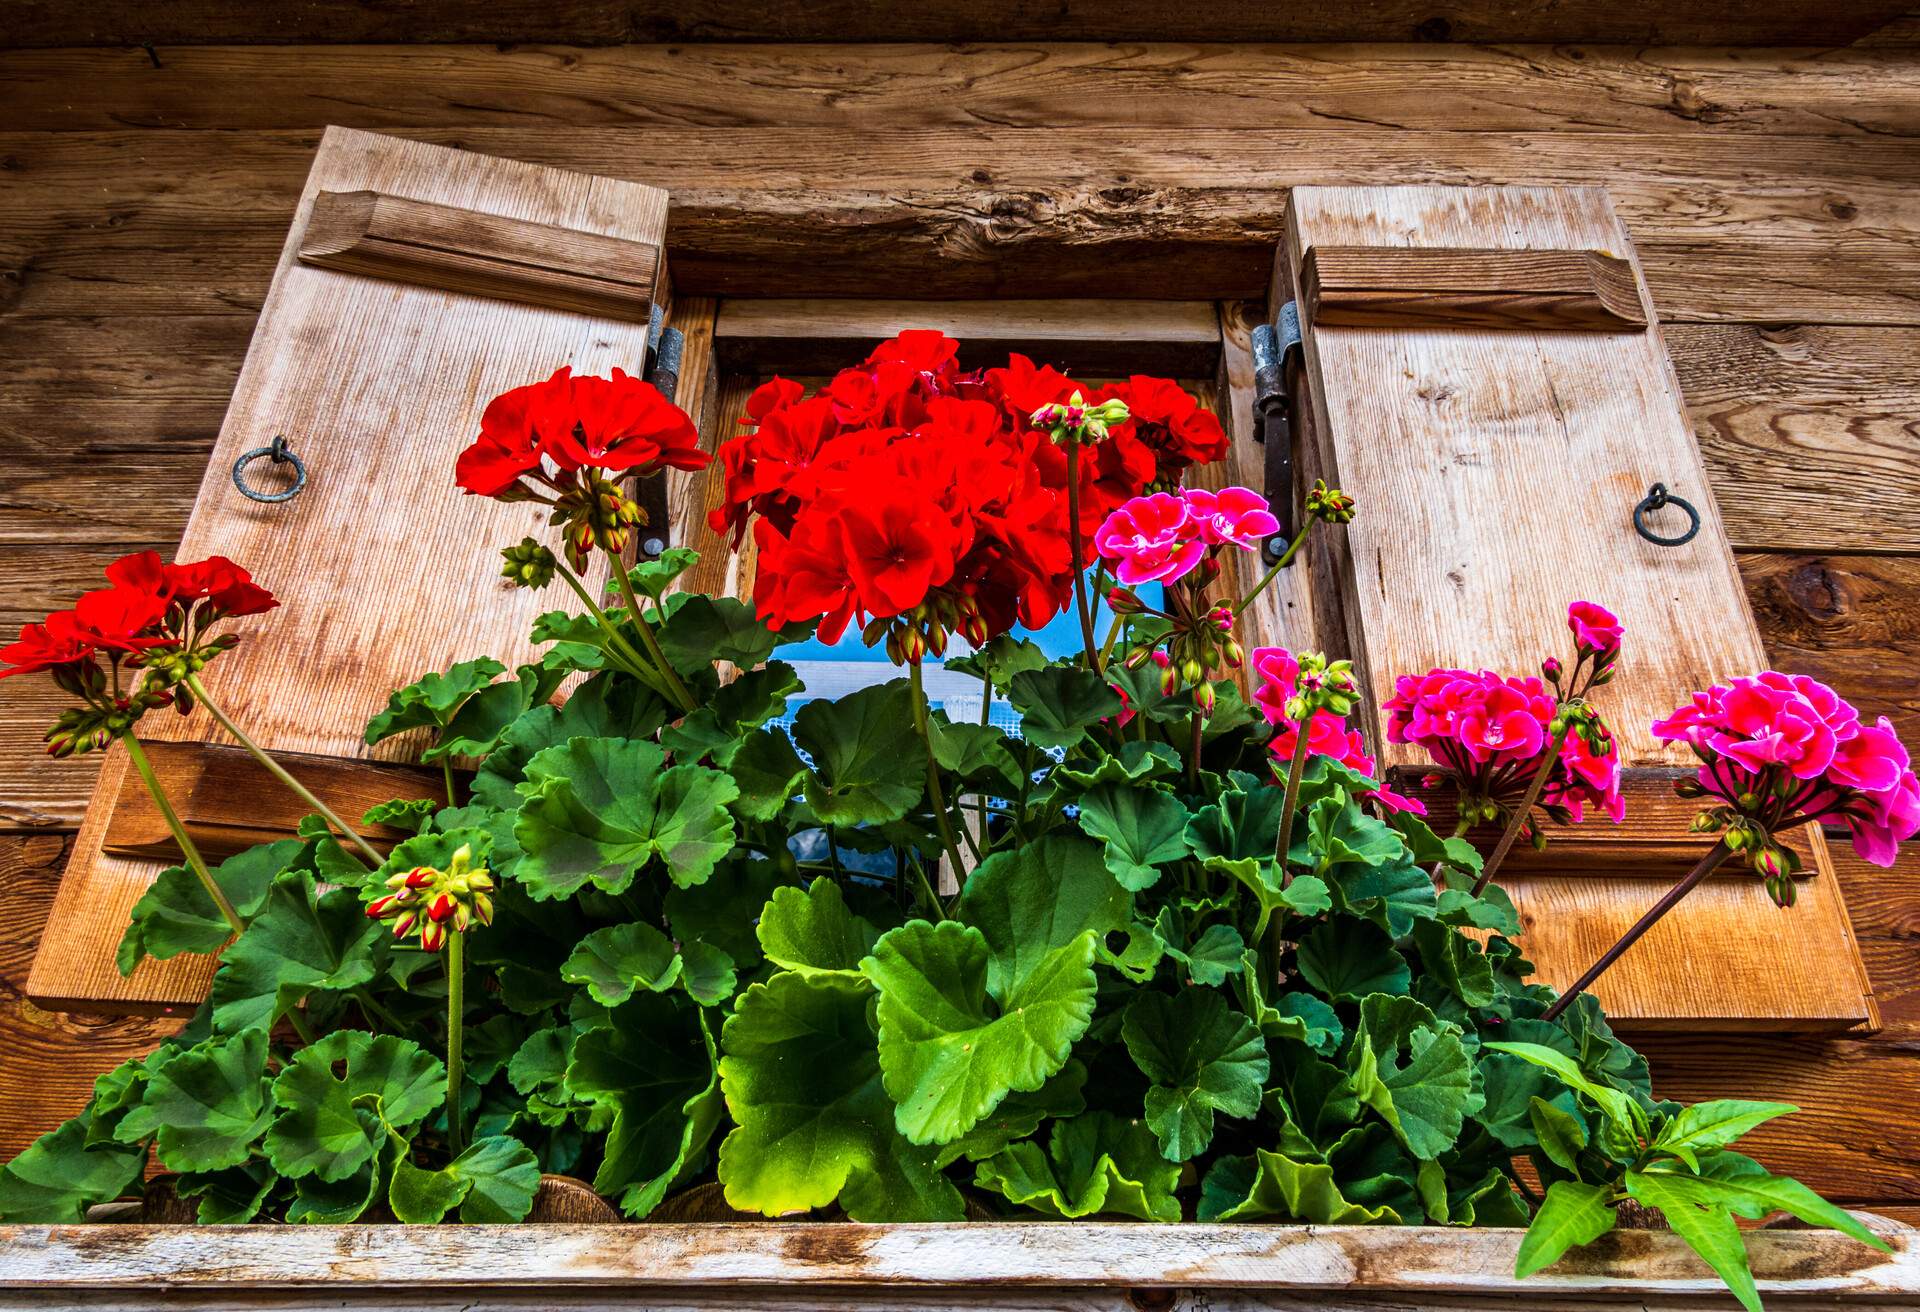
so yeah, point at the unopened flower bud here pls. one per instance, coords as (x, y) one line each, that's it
(1550, 667)
(1781, 889)
(1122, 600)
(433, 936)
(528, 565)
(1203, 698)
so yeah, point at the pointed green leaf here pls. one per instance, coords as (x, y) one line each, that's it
(297, 945)
(1707, 1227)
(1347, 960)
(1203, 1058)
(1570, 1216)
(1619, 1108)
(207, 1104)
(812, 931)
(1561, 1133)
(1718, 1123)
(812, 1122)
(1095, 1164)
(1143, 829)
(1747, 1188)
(947, 1055)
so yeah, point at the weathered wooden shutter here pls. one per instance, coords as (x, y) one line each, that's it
(1498, 416)
(417, 283)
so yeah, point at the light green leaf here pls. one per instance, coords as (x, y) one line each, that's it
(811, 931)
(1347, 960)
(176, 914)
(477, 727)
(1270, 1184)
(1425, 1100)
(812, 1122)
(1143, 829)
(207, 1104)
(1095, 1164)
(1619, 1108)
(767, 771)
(1718, 1123)
(297, 945)
(1561, 1134)
(1570, 1216)
(946, 1056)
(867, 766)
(333, 1125)
(1019, 1115)
(1203, 1058)
(614, 961)
(653, 1069)
(707, 973)
(1032, 900)
(974, 751)
(1707, 1226)
(1340, 833)
(1747, 1188)
(1058, 704)
(432, 700)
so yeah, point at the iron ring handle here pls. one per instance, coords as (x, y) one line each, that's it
(280, 454)
(1657, 498)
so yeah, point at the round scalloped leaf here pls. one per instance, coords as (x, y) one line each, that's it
(1094, 1164)
(1203, 1058)
(207, 1104)
(1347, 960)
(615, 961)
(331, 1125)
(811, 930)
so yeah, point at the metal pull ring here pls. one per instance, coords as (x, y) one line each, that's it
(1657, 498)
(279, 453)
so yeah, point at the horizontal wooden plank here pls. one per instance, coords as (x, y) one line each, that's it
(893, 87)
(1438, 287)
(1708, 22)
(140, 221)
(1413, 1260)
(1174, 339)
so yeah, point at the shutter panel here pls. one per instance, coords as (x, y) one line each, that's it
(1498, 418)
(417, 283)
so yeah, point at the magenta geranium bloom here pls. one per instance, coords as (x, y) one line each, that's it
(1233, 516)
(1150, 539)
(1794, 750)
(1594, 628)
(1276, 673)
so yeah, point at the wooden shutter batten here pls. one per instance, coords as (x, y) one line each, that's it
(1469, 287)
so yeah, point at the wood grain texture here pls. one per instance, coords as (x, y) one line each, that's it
(1413, 1261)
(1172, 339)
(1239, 83)
(955, 213)
(1710, 22)
(228, 802)
(357, 372)
(1416, 287)
(479, 254)
(1491, 462)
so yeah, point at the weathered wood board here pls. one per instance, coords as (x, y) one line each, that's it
(383, 568)
(1497, 471)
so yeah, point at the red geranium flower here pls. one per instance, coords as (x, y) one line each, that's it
(618, 423)
(46, 646)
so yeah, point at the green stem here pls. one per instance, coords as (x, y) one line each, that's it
(279, 772)
(645, 630)
(374, 1011)
(1106, 648)
(446, 773)
(1079, 550)
(936, 797)
(300, 1027)
(1519, 820)
(626, 652)
(195, 862)
(926, 892)
(1274, 573)
(1193, 750)
(456, 1026)
(1295, 769)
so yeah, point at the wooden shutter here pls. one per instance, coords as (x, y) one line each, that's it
(417, 283)
(1498, 416)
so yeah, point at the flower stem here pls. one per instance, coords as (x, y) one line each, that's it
(1519, 821)
(1106, 648)
(1706, 866)
(936, 798)
(279, 772)
(195, 862)
(1278, 565)
(1296, 768)
(456, 1026)
(637, 666)
(645, 630)
(446, 773)
(926, 891)
(1193, 749)
(1079, 551)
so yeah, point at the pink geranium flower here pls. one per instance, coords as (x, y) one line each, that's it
(1150, 539)
(1233, 516)
(1783, 748)
(1594, 628)
(1276, 673)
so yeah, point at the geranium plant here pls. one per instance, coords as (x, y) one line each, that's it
(1203, 962)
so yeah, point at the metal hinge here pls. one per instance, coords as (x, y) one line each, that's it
(664, 348)
(1274, 419)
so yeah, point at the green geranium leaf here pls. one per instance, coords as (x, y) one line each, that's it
(812, 1122)
(320, 1201)
(715, 730)
(703, 629)
(1212, 959)
(207, 1104)
(707, 973)
(768, 772)
(1035, 899)
(230, 1197)
(432, 700)
(1349, 959)
(1491, 910)
(1340, 833)
(601, 808)
(1462, 859)
(722, 911)
(1094, 1164)
(413, 814)
(652, 577)
(1618, 1107)
(812, 931)
(1511, 1087)
(1243, 825)
(332, 1125)
(974, 751)
(1133, 763)
(1426, 1098)
(1019, 1115)
(653, 1068)
(1058, 704)
(1270, 1184)
(1456, 961)
(542, 1060)
(1705, 1223)
(297, 945)
(477, 727)
(59, 1177)
(946, 1055)
(1001, 659)
(1571, 1215)
(1203, 1058)
(1394, 895)
(867, 769)
(1143, 829)
(176, 914)
(605, 706)
(1302, 1017)
(614, 961)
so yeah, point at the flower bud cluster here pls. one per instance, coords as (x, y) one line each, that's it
(92, 727)
(431, 903)
(596, 514)
(1329, 504)
(926, 628)
(1074, 422)
(1322, 685)
(528, 565)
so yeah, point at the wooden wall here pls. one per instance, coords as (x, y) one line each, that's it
(1774, 195)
